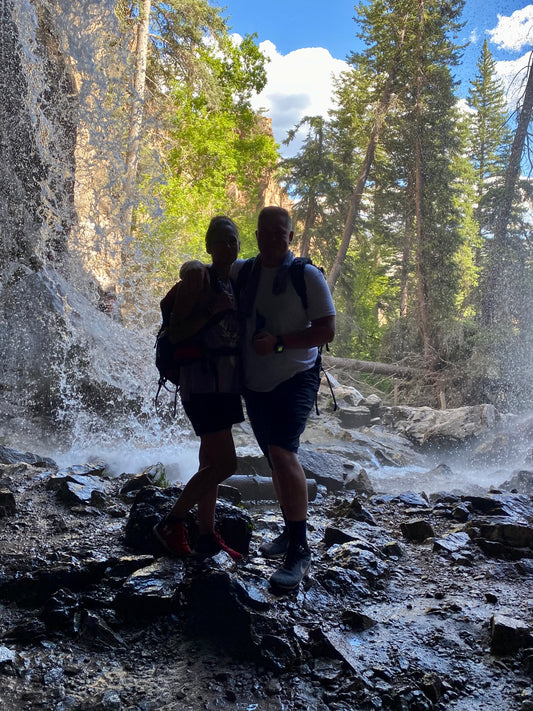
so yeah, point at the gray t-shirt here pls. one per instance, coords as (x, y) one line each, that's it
(280, 314)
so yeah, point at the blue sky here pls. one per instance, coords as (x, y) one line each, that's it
(308, 40)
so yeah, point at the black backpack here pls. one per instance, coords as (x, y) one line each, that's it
(170, 357)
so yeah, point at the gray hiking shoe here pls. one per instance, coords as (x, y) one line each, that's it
(276, 548)
(295, 567)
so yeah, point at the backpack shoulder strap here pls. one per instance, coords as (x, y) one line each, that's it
(297, 272)
(167, 303)
(245, 286)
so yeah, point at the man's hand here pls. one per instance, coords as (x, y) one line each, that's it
(194, 275)
(264, 342)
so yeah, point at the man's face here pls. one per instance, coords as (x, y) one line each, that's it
(273, 239)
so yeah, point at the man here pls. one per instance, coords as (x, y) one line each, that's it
(282, 375)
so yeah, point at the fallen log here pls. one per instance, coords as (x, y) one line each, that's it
(366, 366)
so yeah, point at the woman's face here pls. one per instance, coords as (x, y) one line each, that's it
(224, 245)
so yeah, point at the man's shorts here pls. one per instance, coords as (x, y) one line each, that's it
(212, 412)
(279, 417)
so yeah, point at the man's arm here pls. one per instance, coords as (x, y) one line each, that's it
(321, 330)
(194, 274)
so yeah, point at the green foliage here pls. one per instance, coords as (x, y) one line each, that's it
(216, 153)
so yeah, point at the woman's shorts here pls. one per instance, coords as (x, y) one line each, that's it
(279, 417)
(212, 412)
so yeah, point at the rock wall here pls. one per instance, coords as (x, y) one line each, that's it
(61, 172)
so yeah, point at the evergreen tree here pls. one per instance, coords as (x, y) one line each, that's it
(491, 138)
(308, 178)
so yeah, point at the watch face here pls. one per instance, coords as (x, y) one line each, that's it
(279, 348)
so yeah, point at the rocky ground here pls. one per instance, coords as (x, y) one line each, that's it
(416, 600)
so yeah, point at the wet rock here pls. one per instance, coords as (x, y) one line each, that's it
(333, 535)
(461, 512)
(359, 483)
(13, 456)
(59, 611)
(508, 635)
(357, 620)
(231, 494)
(353, 417)
(249, 465)
(219, 604)
(151, 476)
(81, 485)
(360, 556)
(36, 586)
(120, 568)
(502, 538)
(411, 498)
(452, 543)
(445, 428)
(522, 482)
(109, 700)
(8, 505)
(417, 531)
(329, 470)
(152, 591)
(353, 510)
(31, 630)
(7, 657)
(150, 505)
(393, 549)
(343, 582)
(97, 632)
(498, 504)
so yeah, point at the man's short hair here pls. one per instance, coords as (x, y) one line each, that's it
(275, 211)
(218, 222)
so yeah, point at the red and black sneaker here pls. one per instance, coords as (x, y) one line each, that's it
(209, 544)
(172, 534)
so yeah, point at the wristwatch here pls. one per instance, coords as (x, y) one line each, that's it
(279, 345)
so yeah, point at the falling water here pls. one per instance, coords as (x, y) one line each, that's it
(78, 381)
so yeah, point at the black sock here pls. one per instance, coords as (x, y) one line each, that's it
(284, 519)
(298, 533)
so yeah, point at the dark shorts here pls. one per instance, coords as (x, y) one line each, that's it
(279, 417)
(212, 412)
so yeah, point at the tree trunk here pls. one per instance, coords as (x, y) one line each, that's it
(364, 366)
(136, 112)
(355, 204)
(419, 199)
(404, 273)
(496, 286)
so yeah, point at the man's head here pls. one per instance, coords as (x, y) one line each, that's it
(274, 235)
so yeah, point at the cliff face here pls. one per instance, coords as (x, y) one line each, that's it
(60, 180)
(270, 191)
(60, 162)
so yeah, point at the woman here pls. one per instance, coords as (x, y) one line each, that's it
(209, 391)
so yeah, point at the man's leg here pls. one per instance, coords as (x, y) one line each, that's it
(293, 499)
(290, 483)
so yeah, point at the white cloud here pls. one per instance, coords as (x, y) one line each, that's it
(513, 74)
(514, 32)
(299, 84)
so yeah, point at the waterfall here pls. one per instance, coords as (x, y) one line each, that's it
(76, 378)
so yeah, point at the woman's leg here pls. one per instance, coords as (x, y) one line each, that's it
(217, 460)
